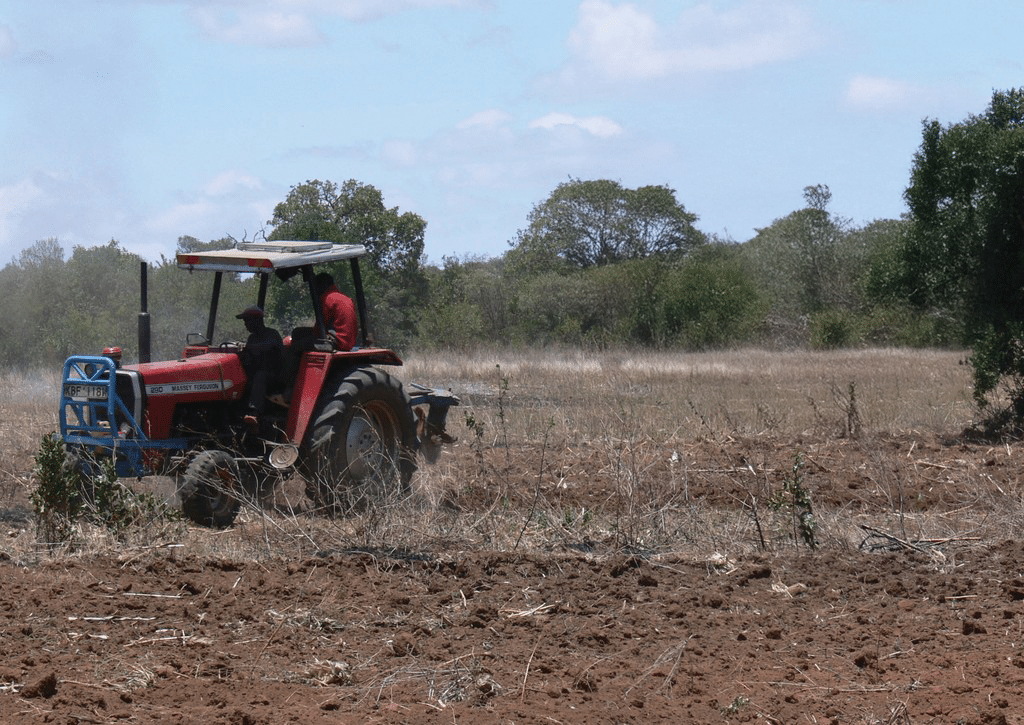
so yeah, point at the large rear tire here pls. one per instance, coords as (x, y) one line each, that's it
(210, 489)
(362, 443)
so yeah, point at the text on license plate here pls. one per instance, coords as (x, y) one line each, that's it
(82, 390)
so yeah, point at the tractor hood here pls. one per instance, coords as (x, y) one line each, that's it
(213, 376)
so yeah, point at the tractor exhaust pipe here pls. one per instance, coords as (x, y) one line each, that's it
(144, 333)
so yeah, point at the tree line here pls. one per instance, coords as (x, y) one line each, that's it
(597, 265)
(809, 279)
(601, 265)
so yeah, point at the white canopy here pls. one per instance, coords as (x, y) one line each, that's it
(255, 257)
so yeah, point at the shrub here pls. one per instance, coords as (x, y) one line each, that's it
(833, 329)
(710, 301)
(57, 499)
(71, 489)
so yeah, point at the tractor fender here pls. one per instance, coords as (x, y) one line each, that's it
(314, 369)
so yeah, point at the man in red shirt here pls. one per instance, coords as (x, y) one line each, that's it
(340, 323)
(339, 312)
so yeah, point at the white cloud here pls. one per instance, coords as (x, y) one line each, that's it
(493, 149)
(231, 181)
(876, 93)
(884, 95)
(293, 23)
(204, 218)
(373, 9)
(399, 153)
(491, 118)
(231, 203)
(84, 210)
(247, 26)
(514, 155)
(617, 41)
(57, 204)
(171, 222)
(599, 126)
(7, 44)
(621, 43)
(18, 196)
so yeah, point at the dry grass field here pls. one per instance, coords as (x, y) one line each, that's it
(743, 536)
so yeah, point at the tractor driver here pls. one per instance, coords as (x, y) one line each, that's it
(339, 312)
(261, 357)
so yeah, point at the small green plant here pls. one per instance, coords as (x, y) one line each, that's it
(70, 489)
(571, 518)
(476, 427)
(503, 388)
(118, 509)
(796, 499)
(736, 705)
(56, 499)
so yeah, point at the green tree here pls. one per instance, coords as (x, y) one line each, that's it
(53, 306)
(888, 317)
(190, 245)
(965, 253)
(808, 264)
(554, 308)
(354, 213)
(35, 293)
(468, 304)
(712, 300)
(104, 294)
(884, 242)
(800, 258)
(594, 223)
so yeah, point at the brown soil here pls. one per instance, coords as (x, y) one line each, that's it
(883, 625)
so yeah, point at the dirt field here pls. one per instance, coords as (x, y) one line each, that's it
(642, 567)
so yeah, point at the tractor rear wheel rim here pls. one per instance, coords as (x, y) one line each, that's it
(371, 444)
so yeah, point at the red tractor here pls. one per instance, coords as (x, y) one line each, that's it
(350, 428)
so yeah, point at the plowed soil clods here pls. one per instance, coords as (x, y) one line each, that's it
(929, 633)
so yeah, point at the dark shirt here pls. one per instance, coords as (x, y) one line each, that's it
(262, 358)
(263, 350)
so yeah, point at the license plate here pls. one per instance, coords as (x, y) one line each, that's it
(82, 390)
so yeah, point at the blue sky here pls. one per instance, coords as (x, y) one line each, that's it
(146, 120)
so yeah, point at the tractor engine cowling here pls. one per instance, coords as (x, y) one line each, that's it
(213, 377)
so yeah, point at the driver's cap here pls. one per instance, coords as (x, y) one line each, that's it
(252, 311)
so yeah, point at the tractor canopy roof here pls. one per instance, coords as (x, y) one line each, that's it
(269, 256)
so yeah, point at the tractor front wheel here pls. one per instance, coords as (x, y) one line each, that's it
(210, 489)
(362, 442)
